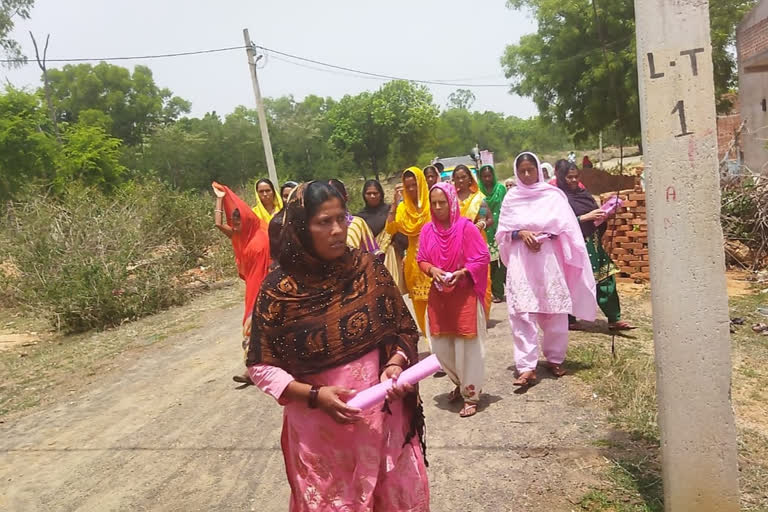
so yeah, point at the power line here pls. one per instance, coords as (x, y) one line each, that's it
(376, 75)
(137, 57)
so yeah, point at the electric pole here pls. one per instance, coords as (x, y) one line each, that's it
(688, 290)
(252, 59)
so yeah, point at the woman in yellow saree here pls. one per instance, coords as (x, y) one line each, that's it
(268, 202)
(408, 217)
(473, 206)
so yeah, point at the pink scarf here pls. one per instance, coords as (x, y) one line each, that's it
(458, 246)
(542, 208)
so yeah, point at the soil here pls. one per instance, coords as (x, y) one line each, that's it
(163, 427)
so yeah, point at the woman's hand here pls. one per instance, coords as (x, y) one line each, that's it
(529, 238)
(455, 277)
(219, 192)
(332, 401)
(593, 216)
(438, 274)
(481, 225)
(397, 391)
(398, 194)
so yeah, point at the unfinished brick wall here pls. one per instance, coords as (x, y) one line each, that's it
(726, 130)
(626, 239)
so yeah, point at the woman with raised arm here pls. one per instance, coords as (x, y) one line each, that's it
(250, 242)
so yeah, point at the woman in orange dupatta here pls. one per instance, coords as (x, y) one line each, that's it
(250, 242)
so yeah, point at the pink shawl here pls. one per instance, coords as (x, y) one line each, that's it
(542, 208)
(459, 246)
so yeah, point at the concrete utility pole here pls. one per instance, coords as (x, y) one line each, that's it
(249, 49)
(688, 290)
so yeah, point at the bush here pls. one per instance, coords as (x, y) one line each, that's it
(88, 260)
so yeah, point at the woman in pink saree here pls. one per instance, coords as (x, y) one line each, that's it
(549, 274)
(330, 321)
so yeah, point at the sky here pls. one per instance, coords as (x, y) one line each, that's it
(439, 40)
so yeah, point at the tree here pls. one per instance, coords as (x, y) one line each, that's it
(135, 104)
(580, 66)
(91, 156)
(8, 10)
(462, 99)
(385, 127)
(27, 152)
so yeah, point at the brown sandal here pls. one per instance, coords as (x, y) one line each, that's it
(243, 379)
(526, 379)
(468, 410)
(556, 370)
(454, 395)
(621, 326)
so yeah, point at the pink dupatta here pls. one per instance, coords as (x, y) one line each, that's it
(542, 208)
(458, 246)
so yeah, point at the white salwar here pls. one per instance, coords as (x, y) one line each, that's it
(463, 359)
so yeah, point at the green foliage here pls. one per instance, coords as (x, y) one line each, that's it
(135, 104)
(462, 99)
(91, 156)
(9, 9)
(563, 69)
(384, 128)
(90, 260)
(27, 152)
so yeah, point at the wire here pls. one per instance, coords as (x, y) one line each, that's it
(138, 57)
(375, 75)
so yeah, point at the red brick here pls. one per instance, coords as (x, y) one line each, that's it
(624, 230)
(636, 197)
(620, 239)
(637, 263)
(630, 204)
(643, 276)
(640, 252)
(625, 216)
(619, 251)
(639, 209)
(632, 246)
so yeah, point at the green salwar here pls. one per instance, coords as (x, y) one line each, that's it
(605, 276)
(498, 279)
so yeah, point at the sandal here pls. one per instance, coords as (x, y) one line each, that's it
(243, 379)
(497, 300)
(556, 370)
(621, 326)
(468, 410)
(575, 326)
(526, 379)
(454, 395)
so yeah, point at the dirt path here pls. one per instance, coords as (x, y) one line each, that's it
(165, 429)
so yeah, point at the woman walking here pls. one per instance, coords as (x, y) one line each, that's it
(359, 235)
(432, 176)
(330, 321)
(494, 192)
(473, 206)
(285, 190)
(375, 215)
(250, 244)
(587, 212)
(409, 217)
(268, 202)
(453, 253)
(548, 271)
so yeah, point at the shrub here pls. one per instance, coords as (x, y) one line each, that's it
(89, 260)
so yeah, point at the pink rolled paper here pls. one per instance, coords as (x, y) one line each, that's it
(376, 394)
(610, 207)
(543, 236)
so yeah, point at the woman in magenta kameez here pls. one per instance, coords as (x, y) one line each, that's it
(549, 275)
(329, 322)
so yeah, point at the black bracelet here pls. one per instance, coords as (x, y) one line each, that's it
(393, 364)
(314, 394)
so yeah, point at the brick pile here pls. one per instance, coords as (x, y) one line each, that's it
(626, 238)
